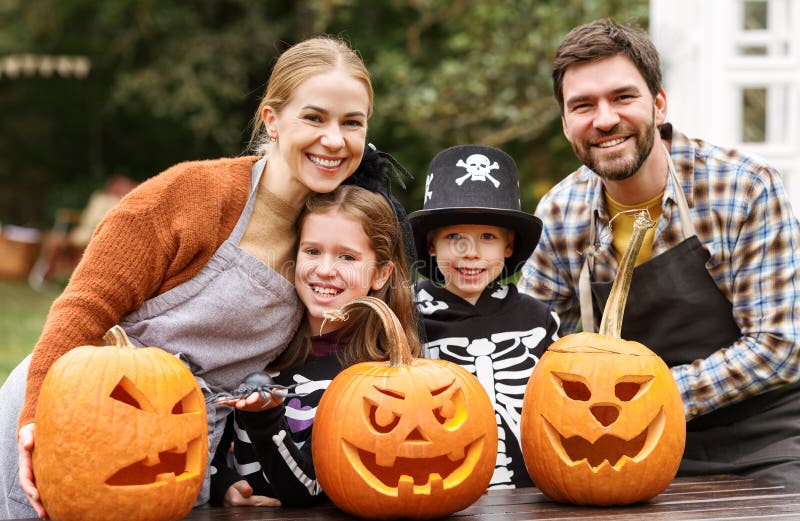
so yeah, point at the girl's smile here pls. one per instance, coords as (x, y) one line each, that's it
(335, 264)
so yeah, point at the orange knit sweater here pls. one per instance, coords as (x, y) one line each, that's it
(160, 235)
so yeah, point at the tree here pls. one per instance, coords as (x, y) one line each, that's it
(469, 71)
(172, 81)
(168, 83)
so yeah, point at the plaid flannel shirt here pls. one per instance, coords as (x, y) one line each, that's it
(742, 217)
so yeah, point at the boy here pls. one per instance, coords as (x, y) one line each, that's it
(470, 236)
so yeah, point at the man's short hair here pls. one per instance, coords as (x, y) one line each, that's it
(603, 39)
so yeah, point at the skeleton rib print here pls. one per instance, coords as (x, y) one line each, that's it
(499, 340)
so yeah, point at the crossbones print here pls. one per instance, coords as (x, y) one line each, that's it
(478, 169)
(428, 192)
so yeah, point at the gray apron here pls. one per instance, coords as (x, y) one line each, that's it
(232, 318)
(13, 503)
(675, 308)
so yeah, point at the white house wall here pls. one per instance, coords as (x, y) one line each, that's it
(703, 77)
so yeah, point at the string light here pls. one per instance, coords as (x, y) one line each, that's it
(14, 66)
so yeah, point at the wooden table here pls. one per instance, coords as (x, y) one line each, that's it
(701, 498)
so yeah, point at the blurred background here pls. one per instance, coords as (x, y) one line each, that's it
(98, 96)
(130, 87)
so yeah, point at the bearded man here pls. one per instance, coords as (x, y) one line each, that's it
(716, 291)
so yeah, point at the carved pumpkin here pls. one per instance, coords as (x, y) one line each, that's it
(120, 434)
(602, 418)
(407, 438)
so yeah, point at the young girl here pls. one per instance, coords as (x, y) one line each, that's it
(350, 246)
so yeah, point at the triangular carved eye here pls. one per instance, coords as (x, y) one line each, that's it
(573, 386)
(632, 386)
(127, 392)
(188, 404)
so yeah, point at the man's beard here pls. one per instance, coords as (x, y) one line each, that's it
(623, 167)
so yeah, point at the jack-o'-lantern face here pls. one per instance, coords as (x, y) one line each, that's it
(602, 424)
(120, 432)
(420, 439)
(414, 438)
(176, 463)
(614, 400)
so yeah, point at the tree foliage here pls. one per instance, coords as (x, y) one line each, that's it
(173, 81)
(478, 71)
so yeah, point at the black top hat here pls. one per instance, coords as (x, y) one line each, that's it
(474, 184)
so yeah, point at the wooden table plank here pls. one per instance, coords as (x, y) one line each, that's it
(710, 508)
(705, 498)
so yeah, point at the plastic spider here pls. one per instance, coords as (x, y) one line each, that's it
(258, 382)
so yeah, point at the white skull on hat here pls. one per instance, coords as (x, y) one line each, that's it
(478, 168)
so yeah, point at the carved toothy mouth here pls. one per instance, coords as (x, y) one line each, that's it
(414, 475)
(608, 449)
(165, 467)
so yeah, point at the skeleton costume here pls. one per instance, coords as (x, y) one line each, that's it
(502, 336)
(277, 442)
(499, 340)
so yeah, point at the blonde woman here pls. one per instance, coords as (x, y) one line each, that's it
(198, 260)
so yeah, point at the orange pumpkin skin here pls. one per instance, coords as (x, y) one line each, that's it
(416, 440)
(618, 395)
(121, 434)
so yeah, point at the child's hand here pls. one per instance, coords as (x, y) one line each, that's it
(241, 494)
(254, 402)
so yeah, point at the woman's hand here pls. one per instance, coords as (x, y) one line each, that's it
(26, 478)
(254, 402)
(241, 494)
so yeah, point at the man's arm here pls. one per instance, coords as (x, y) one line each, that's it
(764, 286)
(544, 278)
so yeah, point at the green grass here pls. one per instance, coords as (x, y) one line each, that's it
(22, 315)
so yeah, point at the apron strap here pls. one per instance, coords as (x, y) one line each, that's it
(585, 282)
(584, 279)
(241, 225)
(687, 226)
(585, 294)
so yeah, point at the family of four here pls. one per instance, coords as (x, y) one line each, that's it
(230, 264)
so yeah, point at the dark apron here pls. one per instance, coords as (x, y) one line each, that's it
(675, 308)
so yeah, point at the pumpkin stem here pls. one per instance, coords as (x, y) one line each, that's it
(611, 324)
(398, 349)
(117, 337)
